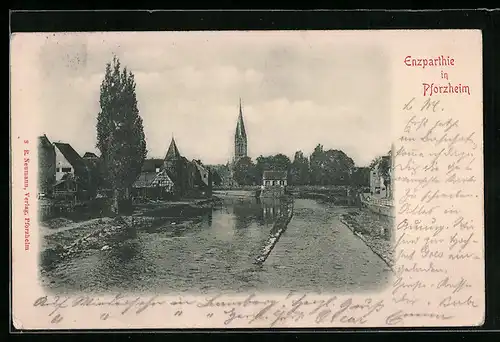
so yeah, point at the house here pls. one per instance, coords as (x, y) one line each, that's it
(90, 156)
(174, 174)
(378, 186)
(273, 184)
(68, 161)
(188, 176)
(152, 184)
(153, 181)
(46, 165)
(202, 177)
(68, 188)
(376, 182)
(274, 178)
(177, 168)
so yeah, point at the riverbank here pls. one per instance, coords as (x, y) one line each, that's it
(375, 230)
(279, 227)
(339, 195)
(62, 237)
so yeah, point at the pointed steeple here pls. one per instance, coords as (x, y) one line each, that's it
(173, 151)
(240, 138)
(240, 126)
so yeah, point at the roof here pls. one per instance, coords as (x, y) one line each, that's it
(43, 141)
(72, 157)
(274, 175)
(90, 155)
(162, 178)
(173, 151)
(240, 126)
(144, 180)
(203, 171)
(151, 179)
(150, 165)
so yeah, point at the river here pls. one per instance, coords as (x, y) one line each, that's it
(216, 253)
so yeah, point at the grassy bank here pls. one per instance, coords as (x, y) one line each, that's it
(375, 230)
(64, 238)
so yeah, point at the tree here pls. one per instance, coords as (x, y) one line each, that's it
(244, 171)
(361, 176)
(120, 132)
(278, 162)
(330, 167)
(338, 167)
(216, 178)
(299, 169)
(94, 180)
(317, 162)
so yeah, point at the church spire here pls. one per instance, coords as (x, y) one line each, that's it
(240, 137)
(240, 126)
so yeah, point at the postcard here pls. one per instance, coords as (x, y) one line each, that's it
(247, 179)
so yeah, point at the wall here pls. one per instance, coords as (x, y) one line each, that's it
(61, 162)
(46, 166)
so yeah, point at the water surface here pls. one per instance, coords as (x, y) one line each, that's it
(216, 251)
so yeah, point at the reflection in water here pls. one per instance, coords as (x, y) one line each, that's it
(246, 211)
(216, 251)
(271, 210)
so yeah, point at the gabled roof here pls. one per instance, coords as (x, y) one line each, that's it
(152, 179)
(162, 178)
(72, 157)
(173, 151)
(274, 175)
(144, 180)
(202, 170)
(240, 126)
(90, 155)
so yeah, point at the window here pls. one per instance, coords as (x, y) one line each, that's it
(58, 169)
(157, 169)
(66, 169)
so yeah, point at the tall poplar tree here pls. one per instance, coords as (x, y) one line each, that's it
(120, 132)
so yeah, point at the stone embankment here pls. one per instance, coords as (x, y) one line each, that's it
(375, 230)
(278, 229)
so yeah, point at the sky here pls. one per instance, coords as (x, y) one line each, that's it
(297, 89)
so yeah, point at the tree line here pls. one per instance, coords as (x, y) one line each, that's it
(322, 167)
(122, 144)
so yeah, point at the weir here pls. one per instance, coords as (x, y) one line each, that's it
(278, 229)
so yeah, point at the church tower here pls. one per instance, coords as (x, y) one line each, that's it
(173, 164)
(240, 138)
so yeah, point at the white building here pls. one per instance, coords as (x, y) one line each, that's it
(377, 187)
(68, 161)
